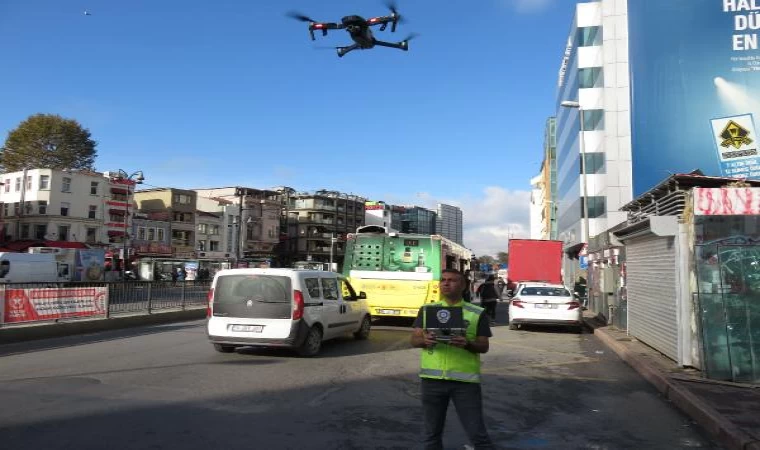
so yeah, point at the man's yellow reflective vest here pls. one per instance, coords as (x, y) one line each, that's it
(447, 362)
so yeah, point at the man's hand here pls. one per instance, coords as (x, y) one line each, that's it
(459, 341)
(423, 339)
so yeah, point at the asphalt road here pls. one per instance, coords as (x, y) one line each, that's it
(164, 387)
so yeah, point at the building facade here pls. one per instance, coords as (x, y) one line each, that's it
(549, 172)
(419, 220)
(537, 202)
(449, 222)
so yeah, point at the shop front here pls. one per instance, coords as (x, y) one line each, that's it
(727, 269)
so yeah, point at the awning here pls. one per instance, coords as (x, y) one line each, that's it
(65, 244)
(117, 211)
(117, 190)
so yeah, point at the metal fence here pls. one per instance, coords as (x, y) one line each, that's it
(123, 297)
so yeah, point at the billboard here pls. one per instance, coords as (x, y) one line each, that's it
(695, 88)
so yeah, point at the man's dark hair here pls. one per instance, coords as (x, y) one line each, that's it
(453, 271)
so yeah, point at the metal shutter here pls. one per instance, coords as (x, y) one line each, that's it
(651, 280)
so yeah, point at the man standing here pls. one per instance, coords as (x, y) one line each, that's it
(451, 371)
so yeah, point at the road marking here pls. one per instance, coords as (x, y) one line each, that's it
(316, 401)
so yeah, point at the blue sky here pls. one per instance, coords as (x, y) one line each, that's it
(202, 94)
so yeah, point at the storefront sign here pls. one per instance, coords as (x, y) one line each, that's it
(726, 201)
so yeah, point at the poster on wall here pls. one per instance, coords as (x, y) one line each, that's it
(736, 142)
(695, 86)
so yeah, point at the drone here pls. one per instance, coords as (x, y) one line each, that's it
(360, 30)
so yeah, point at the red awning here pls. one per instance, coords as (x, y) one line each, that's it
(65, 244)
(120, 212)
(117, 190)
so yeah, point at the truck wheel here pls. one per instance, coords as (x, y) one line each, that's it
(312, 343)
(224, 348)
(363, 332)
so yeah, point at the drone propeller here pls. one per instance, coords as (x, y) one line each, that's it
(298, 16)
(410, 37)
(391, 4)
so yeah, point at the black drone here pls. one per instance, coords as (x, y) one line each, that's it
(359, 29)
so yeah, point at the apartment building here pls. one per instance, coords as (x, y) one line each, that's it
(176, 206)
(65, 206)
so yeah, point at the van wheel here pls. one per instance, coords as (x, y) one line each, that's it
(512, 326)
(363, 332)
(224, 348)
(312, 343)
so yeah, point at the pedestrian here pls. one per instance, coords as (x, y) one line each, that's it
(488, 297)
(451, 371)
(175, 275)
(467, 294)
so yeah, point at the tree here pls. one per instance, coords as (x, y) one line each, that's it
(502, 257)
(48, 141)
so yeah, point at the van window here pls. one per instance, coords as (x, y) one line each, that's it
(5, 267)
(260, 288)
(312, 285)
(329, 288)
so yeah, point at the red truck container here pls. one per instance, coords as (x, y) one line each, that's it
(534, 260)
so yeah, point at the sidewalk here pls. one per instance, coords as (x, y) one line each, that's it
(729, 411)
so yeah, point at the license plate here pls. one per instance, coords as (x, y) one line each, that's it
(248, 328)
(545, 306)
(393, 312)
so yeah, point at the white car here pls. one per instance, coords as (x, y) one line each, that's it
(544, 304)
(290, 308)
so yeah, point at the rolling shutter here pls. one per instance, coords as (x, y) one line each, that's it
(651, 280)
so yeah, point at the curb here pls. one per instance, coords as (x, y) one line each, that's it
(14, 334)
(701, 412)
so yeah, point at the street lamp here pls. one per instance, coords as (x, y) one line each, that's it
(129, 181)
(333, 239)
(575, 105)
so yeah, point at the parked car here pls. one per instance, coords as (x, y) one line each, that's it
(291, 308)
(544, 304)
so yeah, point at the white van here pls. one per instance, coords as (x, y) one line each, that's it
(291, 308)
(30, 268)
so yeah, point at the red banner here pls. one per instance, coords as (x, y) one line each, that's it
(29, 305)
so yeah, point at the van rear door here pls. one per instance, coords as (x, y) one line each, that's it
(253, 296)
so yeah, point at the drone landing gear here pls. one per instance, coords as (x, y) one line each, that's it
(403, 45)
(343, 50)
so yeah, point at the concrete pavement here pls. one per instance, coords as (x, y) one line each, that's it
(730, 411)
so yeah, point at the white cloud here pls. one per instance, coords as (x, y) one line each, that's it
(490, 220)
(531, 6)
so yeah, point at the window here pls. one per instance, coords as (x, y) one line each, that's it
(25, 230)
(65, 208)
(329, 288)
(44, 182)
(182, 199)
(18, 184)
(66, 185)
(214, 246)
(42, 206)
(27, 207)
(201, 246)
(312, 287)
(590, 77)
(160, 233)
(151, 234)
(593, 119)
(94, 188)
(116, 218)
(347, 291)
(29, 183)
(63, 232)
(202, 228)
(7, 185)
(5, 267)
(40, 231)
(16, 208)
(589, 36)
(213, 229)
(6, 209)
(93, 213)
(92, 235)
(141, 233)
(595, 163)
(597, 206)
